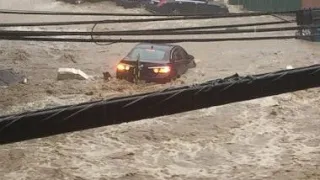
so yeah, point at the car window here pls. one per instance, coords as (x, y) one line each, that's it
(147, 54)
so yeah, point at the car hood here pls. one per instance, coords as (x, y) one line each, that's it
(146, 62)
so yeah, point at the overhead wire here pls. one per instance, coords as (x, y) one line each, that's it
(25, 12)
(108, 21)
(215, 26)
(136, 20)
(170, 40)
(95, 42)
(193, 28)
(146, 32)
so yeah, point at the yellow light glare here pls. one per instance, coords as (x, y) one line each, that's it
(165, 69)
(122, 67)
(156, 70)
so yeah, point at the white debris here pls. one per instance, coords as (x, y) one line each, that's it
(71, 73)
(25, 81)
(289, 67)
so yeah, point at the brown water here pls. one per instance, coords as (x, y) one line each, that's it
(269, 138)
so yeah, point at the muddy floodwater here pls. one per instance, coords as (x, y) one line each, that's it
(269, 138)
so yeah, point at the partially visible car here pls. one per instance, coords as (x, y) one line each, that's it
(186, 7)
(132, 3)
(154, 63)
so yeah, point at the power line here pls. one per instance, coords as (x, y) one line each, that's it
(47, 122)
(145, 32)
(108, 21)
(121, 40)
(215, 26)
(24, 12)
(193, 28)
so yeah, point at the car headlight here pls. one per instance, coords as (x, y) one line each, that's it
(123, 67)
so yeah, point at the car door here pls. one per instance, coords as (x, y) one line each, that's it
(184, 58)
(177, 61)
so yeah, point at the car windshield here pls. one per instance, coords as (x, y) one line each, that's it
(147, 54)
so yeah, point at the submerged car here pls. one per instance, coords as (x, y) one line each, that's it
(186, 7)
(155, 63)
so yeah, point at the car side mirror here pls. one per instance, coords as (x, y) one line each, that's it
(190, 56)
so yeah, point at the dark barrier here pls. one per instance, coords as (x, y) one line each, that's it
(310, 19)
(308, 16)
(59, 120)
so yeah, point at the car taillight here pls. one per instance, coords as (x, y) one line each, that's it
(123, 67)
(161, 69)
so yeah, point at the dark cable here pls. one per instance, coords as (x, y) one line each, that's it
(47, 122)
(145, 32)
(93, 40)
(282, 18)
(17, 38)
(4, 11)
(215, 26)
(193, 28)
(130, 20)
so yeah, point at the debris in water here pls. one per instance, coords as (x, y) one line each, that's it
(289, 67)
(9, 77)
(106, 76)
(71, 73)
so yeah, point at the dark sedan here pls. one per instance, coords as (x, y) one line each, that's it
(186, 7)
(154, 63)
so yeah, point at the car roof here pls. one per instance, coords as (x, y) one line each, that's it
(193, 1)
(216, 3)
(163, 47)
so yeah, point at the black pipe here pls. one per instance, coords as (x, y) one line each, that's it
(44, 123)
